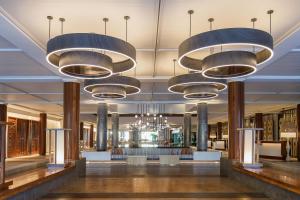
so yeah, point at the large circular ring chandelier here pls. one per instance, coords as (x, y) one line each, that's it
(113, 87)
(256, 48)
(195, 86)
(85, 55)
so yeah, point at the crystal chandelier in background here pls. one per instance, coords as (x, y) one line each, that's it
(150, 117)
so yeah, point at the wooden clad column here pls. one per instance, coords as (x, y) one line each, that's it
(81, 130)
(42, 134)
(259, 124)
(3, 118)
(219, 130)
(236, 109)
(276, 127)
(71, 116)
(298, 134)
(91, 136)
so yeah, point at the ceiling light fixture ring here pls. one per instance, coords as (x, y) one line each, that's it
(229, 64)
(225, 37)
(131, 85)
(202, 96)
(91, 64)
(201, 92)
(91, 42)
(177, 84)
(109, 92)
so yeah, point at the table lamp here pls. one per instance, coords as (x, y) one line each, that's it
(288, 131)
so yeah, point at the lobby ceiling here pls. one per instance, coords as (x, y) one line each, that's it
(26, 79)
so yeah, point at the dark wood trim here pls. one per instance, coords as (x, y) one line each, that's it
(268, 179)
(236, 109)
(259, 124)
(219, 130)
(272, 157)
(208, 130)
(71, 117)
(42, 134)
(43, 179)
(3, 118)
(272, 141)
(91, 136)
(298, 128)
(81, 130)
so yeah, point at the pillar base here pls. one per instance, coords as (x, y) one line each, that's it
(5, 185)
(96, 155)
(253, 166)
(207, 155)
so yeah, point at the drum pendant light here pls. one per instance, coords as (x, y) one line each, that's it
(89, 55)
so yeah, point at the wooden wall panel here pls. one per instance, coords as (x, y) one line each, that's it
(35, 130)
(22, 134)
(23, 137)
(11, 139)
(298, 127)
(259, 124)
(3, 118)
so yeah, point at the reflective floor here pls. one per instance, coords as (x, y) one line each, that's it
(185, 181)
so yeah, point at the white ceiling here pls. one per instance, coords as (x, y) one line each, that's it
(26, 79)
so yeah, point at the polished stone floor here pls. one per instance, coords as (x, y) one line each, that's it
(186, 181)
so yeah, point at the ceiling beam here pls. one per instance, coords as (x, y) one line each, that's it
(290, 40)
(13, 32)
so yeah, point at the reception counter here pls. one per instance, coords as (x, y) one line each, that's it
(272, 150)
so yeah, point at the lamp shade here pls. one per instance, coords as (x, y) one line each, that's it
(225, 136)
(288, 134)
(288, 130)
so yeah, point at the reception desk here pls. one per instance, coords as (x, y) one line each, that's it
(169, 159)
(272, 150)
(137, 160)
(220, 145)
(152, 153)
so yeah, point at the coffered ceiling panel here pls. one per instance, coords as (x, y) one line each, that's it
(5, 89)
(18, 98)
(45, 107)
(19, 64)
(36, 88)
(86, 16)
(4, 44)
(289, 65)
